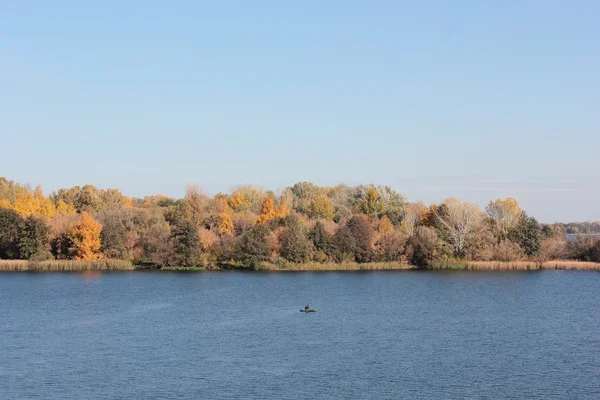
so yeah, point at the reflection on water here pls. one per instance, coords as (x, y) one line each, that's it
(91, 276)
(427, 335)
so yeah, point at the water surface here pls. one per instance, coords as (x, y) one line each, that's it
(379, 335)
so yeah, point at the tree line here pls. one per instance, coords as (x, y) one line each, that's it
(250, 226)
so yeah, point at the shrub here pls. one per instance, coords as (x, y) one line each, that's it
(508, 251)
(423, 247)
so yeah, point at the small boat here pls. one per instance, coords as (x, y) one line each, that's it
(309, 310)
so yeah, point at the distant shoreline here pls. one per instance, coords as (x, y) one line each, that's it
(120, 265)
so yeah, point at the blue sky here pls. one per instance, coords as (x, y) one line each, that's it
(435, 98)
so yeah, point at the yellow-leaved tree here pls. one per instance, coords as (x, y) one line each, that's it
(282, 210)
(24, 203)
(224, 224)
(44, 205)
(385, 225)
(505, 214)
(267, 212)
(84, 237)
(63, 208)
(321, 207)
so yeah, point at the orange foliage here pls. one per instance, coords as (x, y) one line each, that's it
(63, 208)
(267, 211)
(237, 201)
(282, 210)
(85, 238)
(221, 206)
(224, 224)
(385, 225)
(24, 203)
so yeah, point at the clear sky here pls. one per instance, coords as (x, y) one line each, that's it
(475, 99)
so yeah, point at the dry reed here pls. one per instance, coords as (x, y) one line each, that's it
(571, 265)
(65, 265)
(502, 265)
(532, 265)
(345, 266)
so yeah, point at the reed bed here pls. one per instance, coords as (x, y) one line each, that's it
(183, 269)
(532, 265)
(571, 265)
(66, 265)
(502, 265)
(345, 266)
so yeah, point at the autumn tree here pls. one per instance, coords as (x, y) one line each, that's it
(321, 207)
(223, 223)
(423, 247)
(268, 211)
(391, 246)
(370, 203)
(246, 198)
(363, 234)
(384, 225)
(86, 198)
(84, 237)
(394, 204)
(25, 204)
(343, 245)
(505, 215)
(460, 220)
(414, 216)
(507, 251)
(63, 208)
(112, 198)
(282, 210)
(194, 203)
(304, 195)
(156, 241)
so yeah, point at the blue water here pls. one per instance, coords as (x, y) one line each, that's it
(235, 335)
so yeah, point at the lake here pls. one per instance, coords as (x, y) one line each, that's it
(240, 335)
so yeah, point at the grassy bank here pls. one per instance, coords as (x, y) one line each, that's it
(65, 265)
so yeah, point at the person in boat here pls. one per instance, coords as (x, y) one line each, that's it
(307, 307)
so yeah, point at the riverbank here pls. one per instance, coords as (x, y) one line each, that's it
(121, 265)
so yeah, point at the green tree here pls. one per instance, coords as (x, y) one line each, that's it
(254, 246)
(187, 246)
(10, 221)
(119, 236)
(320, 238)
(370, 202)
(527, 234)
(295, 246)
(34, 239)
